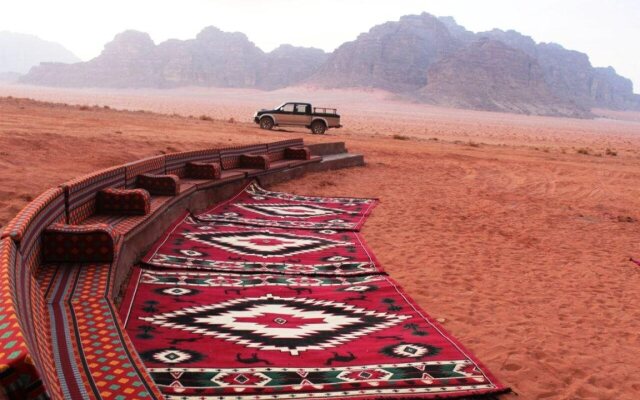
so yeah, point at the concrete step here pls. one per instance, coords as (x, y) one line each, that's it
(325, 149)
(337, 161)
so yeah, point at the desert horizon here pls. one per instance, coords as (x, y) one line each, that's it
(435, 60)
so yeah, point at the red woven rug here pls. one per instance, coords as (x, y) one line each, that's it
(190, 244)
(207, 335)
(257, 206)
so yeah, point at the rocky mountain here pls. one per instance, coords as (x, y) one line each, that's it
(288, 64)
(512, 39)
(458, 31)
(213, 58)
(216, 58)
(570, 74)
(20, 52)
(438, 61)
(610, 90)
(127, 61)
(421, 57)
(489, 75)
(392, 56)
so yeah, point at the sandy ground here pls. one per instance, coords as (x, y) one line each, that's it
(496, 223)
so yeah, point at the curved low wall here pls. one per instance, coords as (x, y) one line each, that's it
(27, 354)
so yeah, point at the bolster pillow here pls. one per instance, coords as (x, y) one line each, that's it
(123, 202)
(159, 185)
(79, 243)
(200, 170)
(254, 161)
(297, 153)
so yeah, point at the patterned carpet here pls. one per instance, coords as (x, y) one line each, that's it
(259, 207)
(225, 247)
(241, 311)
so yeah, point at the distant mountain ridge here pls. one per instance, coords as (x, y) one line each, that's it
(570, 76)
(213, 58)
(498, 78)
(438, 61)
(20, 52)
(421, 57)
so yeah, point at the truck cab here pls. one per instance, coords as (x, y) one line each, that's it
(317, 119)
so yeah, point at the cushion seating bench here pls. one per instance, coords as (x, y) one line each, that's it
(85, 205)
(24, 234)
(128, 224)
(165, 177)
(224, 177)
(177, 164)
(65, 301)
(61, 309)
(267, 158)
(155, 165)
(19, 376)
(242, 159)
(85, 326)
(289, 154)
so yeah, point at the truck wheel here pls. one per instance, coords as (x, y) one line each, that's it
(318, 127)
(266, 123)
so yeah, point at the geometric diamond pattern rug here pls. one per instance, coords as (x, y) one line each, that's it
(191, 244)
(260, 207)
(275, 296)
(206, 335)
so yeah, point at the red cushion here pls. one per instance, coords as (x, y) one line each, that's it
(79, 243)
(254, 161)
(124, 202)
(160, 185)
(199, 170)
(297, 153)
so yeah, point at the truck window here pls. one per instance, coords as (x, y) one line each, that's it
(288, 107)
(301, 108)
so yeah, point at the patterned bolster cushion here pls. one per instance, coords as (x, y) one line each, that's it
(159, 185)
(123, 202)
(254, 161)
(297, 153)
(79, 243)
(200, 170)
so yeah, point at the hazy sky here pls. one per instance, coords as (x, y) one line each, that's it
(608, 31)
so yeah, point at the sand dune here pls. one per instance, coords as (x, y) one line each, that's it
(497, 224)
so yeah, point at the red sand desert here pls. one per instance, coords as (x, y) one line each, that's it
(514, 231)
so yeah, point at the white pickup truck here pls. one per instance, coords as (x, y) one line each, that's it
(318, 119)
